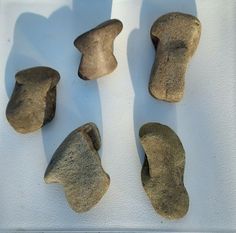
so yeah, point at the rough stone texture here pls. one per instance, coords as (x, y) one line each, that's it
(77, 166)
(163, 169)
(33, 101)
(96, 47)
(175, 37)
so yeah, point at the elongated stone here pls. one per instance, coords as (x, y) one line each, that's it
(175, 37)
(96, 47)
(77, 166)
(33, 101)
(163, 170)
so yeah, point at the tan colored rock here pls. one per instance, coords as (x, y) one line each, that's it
(175, 37)
(96, 47)
(77, 166)
(33, 101)
(163, 170)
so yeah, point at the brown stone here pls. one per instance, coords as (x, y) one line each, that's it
(77, 166)
(163, 170)
(175, 37)
(96, 47)
(33, 101)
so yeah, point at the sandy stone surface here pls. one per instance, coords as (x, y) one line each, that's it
(77, 166)
(163, 170)
(33, 101)
(96, 47)
(175, 37)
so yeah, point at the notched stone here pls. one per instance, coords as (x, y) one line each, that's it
(77, 166)
(33, 101)
(163, 170)
(96, 47)
(175, 37)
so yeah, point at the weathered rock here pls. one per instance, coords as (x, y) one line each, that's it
(33, 101)
(175, 37)
(77, 166)
(163, 170)
(96, 47)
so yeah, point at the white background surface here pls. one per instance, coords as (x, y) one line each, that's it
(42, 33)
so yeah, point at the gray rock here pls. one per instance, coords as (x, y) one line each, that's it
(163, 170)
(77, 166)
(33, 101)
(96, 47)
(175, 37)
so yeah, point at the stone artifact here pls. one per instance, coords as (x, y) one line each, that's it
(175, 37)
(77, 166)
(163, 170)
(96, 47)
(33, 101)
